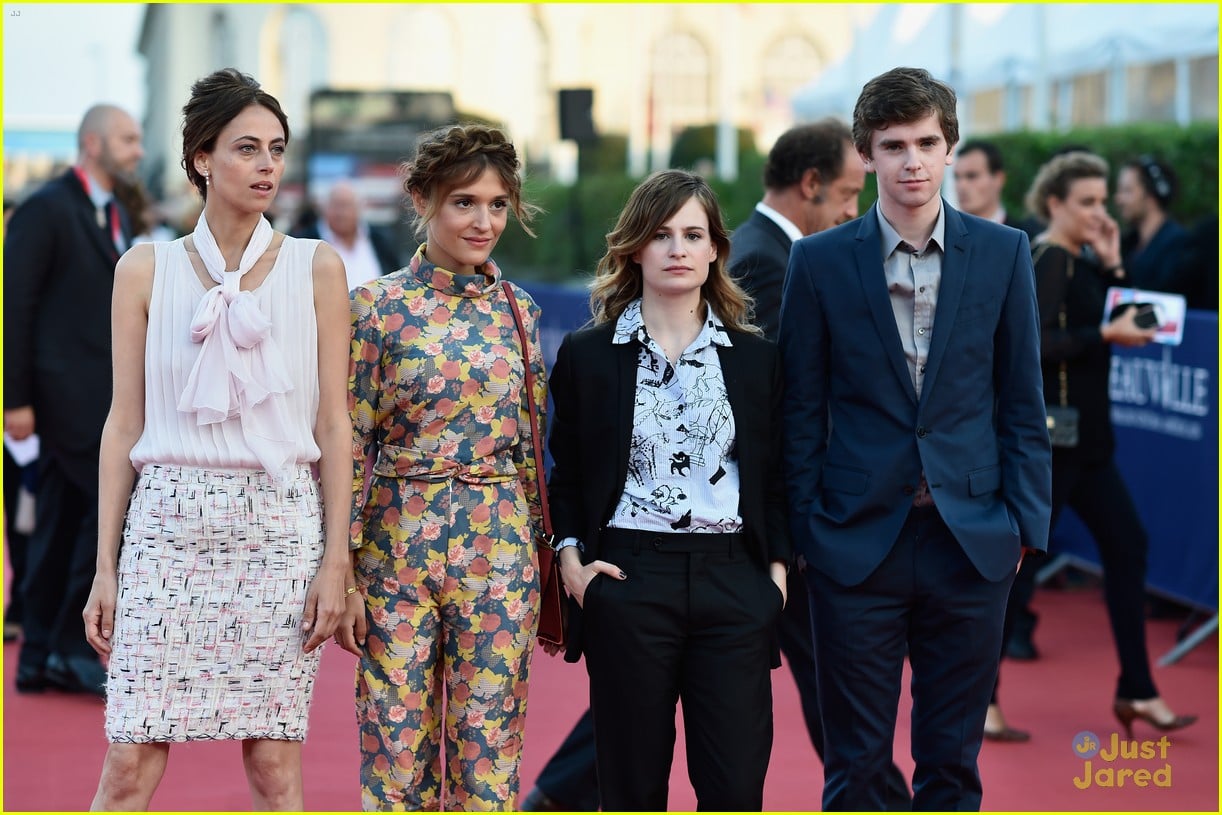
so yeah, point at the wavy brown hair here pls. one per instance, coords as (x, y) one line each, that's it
(1055, 178)
(619, 279)
(458, 154)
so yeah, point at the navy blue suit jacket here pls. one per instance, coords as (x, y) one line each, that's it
(857, 436)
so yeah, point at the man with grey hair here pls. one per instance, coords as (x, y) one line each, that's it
(60, 251)
(367, 254)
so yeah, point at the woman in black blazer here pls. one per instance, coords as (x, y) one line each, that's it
(668, 504)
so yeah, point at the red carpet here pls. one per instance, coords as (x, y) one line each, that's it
(53, 743)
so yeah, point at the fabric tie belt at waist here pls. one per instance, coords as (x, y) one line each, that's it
(641, 540)
(416, 465)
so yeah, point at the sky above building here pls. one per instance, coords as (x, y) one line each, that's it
(998, 40)
(61, 58)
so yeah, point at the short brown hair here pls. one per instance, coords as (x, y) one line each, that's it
(903, 96)
(1055, 177)
(818, 145)
(216, 100)
(458, 154)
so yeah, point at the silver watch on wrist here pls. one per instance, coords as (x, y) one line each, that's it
(567, 542)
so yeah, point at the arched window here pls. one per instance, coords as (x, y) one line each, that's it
(293, 60)
(529, 116)
(682, 76)
(221, 40)
(303, 56)
(789, 63)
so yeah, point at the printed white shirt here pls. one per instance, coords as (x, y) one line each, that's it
(682, 465)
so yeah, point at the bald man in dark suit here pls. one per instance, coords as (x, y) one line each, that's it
(60, 251)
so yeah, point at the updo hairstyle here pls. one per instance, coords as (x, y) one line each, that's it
(459, 154)
(216, 100)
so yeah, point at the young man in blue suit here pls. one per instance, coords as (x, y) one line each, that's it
(917, 455)
(812, 180)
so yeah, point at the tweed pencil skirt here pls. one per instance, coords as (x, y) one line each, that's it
(212, 583)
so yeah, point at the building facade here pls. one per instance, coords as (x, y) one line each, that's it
(653, 68)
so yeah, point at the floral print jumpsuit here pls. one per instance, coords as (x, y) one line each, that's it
(445, 498)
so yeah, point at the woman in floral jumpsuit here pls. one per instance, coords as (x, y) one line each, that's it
(445, 494)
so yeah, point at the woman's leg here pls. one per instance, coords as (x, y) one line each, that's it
(402, 570)
(130, 775)
(489, 606)
(273, 770)
(726, 682)
(1102, 501)
(398, 679)
(633, 633)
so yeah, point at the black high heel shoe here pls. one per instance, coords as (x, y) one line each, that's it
(1127, 712)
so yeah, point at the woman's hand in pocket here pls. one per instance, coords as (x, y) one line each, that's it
(577, 576)
(779, 571)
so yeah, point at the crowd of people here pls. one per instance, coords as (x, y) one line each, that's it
(824, 434)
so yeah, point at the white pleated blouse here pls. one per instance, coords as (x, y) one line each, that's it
(172, 436)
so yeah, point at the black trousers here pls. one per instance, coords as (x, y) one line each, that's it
(570, 778)
(690, 624)
(16, 542)
(1097, 493)
(61, 558)
(928, 601)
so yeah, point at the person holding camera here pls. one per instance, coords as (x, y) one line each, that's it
(1070, 194)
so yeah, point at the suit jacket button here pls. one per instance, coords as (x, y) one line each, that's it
(922, 432)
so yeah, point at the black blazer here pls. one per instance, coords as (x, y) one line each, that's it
(759, 255)
(593, 385)
(59, 269)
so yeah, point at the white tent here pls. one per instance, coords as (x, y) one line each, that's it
(989, 45)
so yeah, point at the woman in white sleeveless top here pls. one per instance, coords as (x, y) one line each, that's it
(230, 364)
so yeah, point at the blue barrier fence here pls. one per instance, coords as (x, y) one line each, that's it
(1165, 409)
